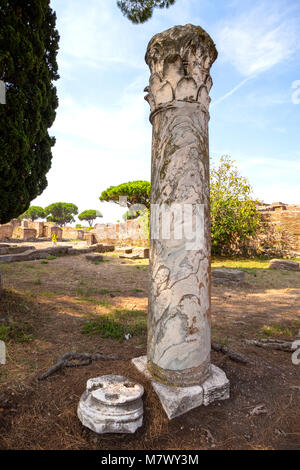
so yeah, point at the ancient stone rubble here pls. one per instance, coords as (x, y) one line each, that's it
(111, 404)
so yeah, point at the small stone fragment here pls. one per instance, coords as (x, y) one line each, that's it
(259, 410)
(225, 275)
(111, 404)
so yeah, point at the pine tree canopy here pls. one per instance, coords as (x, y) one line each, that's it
(139, 11)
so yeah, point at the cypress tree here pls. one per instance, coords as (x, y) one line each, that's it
(28, 67)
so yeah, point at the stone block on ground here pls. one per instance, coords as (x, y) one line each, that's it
(137, 253)
(216, 387)
(94, 257)
(104, 248)
(124, 250)
(28, 255)
(111, 404)
(227, 276)
(58, 250)
(10, 250)
(141, 252)
(31, 254)
(284, 264)
(178, 400)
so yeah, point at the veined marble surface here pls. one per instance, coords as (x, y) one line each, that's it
(180, 280)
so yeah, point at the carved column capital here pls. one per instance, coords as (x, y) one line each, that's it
(180, 59)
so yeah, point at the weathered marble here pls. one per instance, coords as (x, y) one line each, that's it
(180, 279)
(111, 404)
(179, 400)
(2, 351)
(136, 253)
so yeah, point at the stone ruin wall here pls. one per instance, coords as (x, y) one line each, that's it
(129, 233)
(121, 234)
(28, 230)
(286, 219)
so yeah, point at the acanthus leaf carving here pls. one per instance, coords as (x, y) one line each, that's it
(186, 89)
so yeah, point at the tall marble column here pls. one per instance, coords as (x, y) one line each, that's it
(180, 281)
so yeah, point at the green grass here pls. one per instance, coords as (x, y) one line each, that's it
(94, 300)
(37, 282)
(241, 263)
(51, 257)
(258, 272)
(103, 303)
(44, 262)
(108, 291)
(15, 332)
(104, 291)
(46, 293)
(30, 266)
(117, 324)
(280, 330)
(223, 341)
(85, 292)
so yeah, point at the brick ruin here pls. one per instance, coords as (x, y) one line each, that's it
(284, 218)
(131, 232)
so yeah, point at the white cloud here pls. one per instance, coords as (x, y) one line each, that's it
(259, 39)
(80, 172)
(123, 128)
(92, 33)
(97, 147)
(283, 192)
(272, 179)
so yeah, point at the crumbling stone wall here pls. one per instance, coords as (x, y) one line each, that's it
(38, 226)
(6, 231)
(129, 233)
(24, 233)
(71, 233)
(285, 219)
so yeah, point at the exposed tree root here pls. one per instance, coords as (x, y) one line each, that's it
(276, 344)
(82, 359)
(233, 355)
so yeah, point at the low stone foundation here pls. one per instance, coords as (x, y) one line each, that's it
(178, 400)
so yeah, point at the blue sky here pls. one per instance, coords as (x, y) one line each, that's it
(102, 128)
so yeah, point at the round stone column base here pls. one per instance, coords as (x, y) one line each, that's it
(111, 404)
(180, 378)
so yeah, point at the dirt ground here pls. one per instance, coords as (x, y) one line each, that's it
(49, 305)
